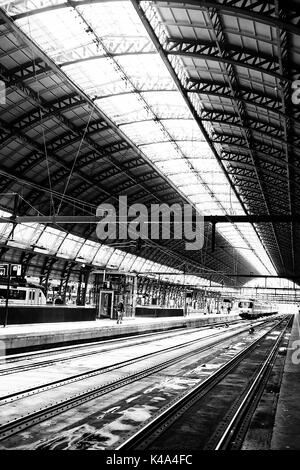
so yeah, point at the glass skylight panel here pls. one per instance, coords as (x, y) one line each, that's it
(97, 261)
(173, 167)
(59, 33)
(141, 68)
(127, 262)
(161, 268)
(182, 129)
(4, 214)
(70, 246)
(107, 18)
(198, 150)
(116, 258)
(51, 239)
(157, 152)
(203, 198)
(115, 27)
(137, 264)
(88, 251)
(208, 207)
(5, 230)
(163, 156)
(185, 179)
(97, 77)
(124, 108)
(19, 6)
(144, 132)
(54, 241)
(27, 234)
(205, 165)
(167, 104)
(195, 189)
(156, 267)
(147, 265)
(103, 255)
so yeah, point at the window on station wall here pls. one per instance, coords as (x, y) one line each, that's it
(27, 234)
(70, 246)
(138, 263)
(51, 239)
(154, 267)
(103, 255)
(116, 259)
(5, 231)
(5, 228)
(162, 268)
(88, 251)
(147, 265)
(127, 262)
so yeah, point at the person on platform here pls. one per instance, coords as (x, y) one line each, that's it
(120, 311)
(58, 300)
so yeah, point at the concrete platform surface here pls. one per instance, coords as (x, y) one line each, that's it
(286, 432)
(18, 338)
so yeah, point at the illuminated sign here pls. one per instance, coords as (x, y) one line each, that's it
(3, 270)
(15, 270)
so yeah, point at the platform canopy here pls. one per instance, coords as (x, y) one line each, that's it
(191, 102)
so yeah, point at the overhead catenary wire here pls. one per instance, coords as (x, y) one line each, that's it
(75, 160)
(52, 207)
(48, 167)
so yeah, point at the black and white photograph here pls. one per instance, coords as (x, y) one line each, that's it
(150, 230)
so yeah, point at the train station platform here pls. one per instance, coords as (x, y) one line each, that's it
(286, 432)
(30, 337)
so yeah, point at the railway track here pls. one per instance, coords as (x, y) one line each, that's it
(88, 349)
(21, 423)
(215, 414)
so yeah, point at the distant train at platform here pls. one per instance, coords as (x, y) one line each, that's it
(27, 294)
(251, 308)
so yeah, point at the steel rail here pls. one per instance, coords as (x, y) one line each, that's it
(19, 424)
(91, 373)
(10, 359)
(35, 365)
(97, 346)
(254, 391)
(171, 412)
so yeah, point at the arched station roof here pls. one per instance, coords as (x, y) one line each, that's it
(162, 102)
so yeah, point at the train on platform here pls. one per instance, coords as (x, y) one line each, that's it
(22, 294)
(251, 308)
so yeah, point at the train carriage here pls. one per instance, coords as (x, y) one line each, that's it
(250, 308)
(28, 294)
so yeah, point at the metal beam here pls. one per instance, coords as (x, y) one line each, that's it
(284, 65)
(261, 11)
(197, 273)
(231, 55)
(93, 219)
(222, 52)
(249, 96)
(181, 87)
(114, 127)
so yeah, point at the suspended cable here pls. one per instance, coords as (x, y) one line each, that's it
(75, 159)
